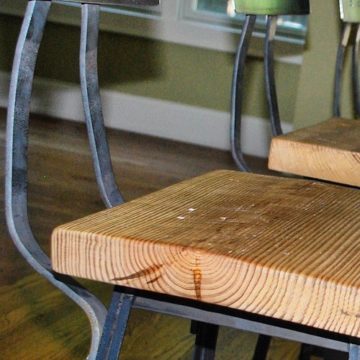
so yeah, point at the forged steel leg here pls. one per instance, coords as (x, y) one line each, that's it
(16, 168)
(306, 351)
(339, 69)
(92, 106)
(237, 93)
(262, 347)
(355, 72)
(115, 326)
(354, 352)
(206, 338)
(270, 87)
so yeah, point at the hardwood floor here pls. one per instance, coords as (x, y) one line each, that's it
(36, 320)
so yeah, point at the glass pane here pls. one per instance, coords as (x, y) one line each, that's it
(217, 6)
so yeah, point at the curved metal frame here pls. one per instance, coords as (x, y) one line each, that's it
(355, 72)
(339, 68)
(92, 106)
(16, 169)
(344, 44)
(237, 86)
(237, 92)
(16, 195)
(270, 85)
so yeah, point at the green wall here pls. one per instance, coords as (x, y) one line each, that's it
(155, 69)
(314, 100)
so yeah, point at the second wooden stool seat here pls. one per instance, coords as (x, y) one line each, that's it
(328, 151)
(283, 248)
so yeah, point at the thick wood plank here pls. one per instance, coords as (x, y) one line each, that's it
(278, 247)
(328, 151)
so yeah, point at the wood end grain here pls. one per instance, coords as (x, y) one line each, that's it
(284, 248)
(328, 151)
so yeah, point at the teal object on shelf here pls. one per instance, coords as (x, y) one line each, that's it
(273, 7)
(350, 11)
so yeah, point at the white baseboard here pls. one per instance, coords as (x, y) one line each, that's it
(148, 116)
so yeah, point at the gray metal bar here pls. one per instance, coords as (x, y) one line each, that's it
(354, 352)
(115, 326)
(92, 106)
(16, 168)
(237, 92)
(355, 72)
(222, 319)
(270, 87)
(339, 68)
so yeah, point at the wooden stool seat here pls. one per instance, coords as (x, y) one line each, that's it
(283, 248)
(327, 151)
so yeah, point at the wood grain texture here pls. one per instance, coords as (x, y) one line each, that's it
(278, 247)
(328, 151)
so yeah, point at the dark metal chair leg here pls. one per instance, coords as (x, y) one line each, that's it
(92, 106)
(306, 351)
(339, 69)
(355, 72)
(16, 168)
(237, 93)
(270, 86)
(206, 338)
(354, 352)
(115, 326)
(262, 347)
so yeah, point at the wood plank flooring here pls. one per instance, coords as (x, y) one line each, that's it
(36, 320)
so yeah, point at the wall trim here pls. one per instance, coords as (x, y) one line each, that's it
(149, 116)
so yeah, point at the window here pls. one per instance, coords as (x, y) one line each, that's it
(201, 23)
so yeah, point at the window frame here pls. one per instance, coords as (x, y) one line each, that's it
(173, 24)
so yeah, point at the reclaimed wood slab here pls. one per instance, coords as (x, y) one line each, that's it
(284, 248)
(327, 151)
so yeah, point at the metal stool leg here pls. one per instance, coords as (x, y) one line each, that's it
(355, 72)
(270, 87)
(206, 338)
(16, 168)
(115, 326)
(262, 347)
(237, 92)
(354, 352)
(339, 69)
